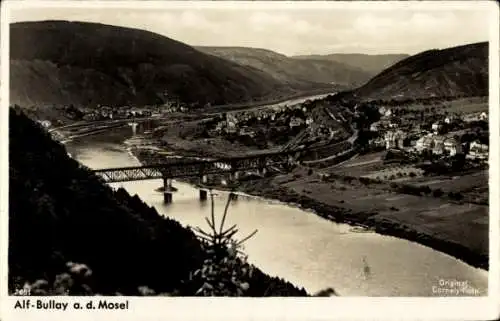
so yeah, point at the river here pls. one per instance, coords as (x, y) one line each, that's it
(294, 244)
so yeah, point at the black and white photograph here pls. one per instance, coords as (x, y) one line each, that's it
(247, 150)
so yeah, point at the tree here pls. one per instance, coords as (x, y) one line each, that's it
(455, 196)
(225, 270)
(437, 193)
(426, 190)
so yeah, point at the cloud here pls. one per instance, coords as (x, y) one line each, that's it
(293, 31)
(261, 21)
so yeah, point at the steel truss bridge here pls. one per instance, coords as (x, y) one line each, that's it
(197, 168)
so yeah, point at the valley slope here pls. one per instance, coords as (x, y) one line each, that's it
(302, 73)
(372, 64)
(86, 64)
(460, 71)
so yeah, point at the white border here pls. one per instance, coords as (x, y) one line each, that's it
(274, 308)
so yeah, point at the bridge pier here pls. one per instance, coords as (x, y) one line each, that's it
(203, 195)
(167, 191)
(167, 197)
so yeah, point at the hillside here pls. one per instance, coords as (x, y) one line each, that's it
(453, 72)
(85, 64)
(372, 64)
(59, 212)
(300, 73)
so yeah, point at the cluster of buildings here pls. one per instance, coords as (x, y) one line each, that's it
(386, 122)
(421, 141)
(237, 122)
(105, 112)
(441, 125)
(478, 151)
(475, 117)
(440, 145)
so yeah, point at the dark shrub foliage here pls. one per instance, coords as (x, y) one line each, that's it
(60, 212)
(437, 193)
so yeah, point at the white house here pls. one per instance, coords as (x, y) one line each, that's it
(295, 122)
(394, 139)
(374, 127)
(478, 151)
(424, 143)
(450, 119)
(439, 146)
(437, 126)
(452, 146)
(385, 112)
(475, 117)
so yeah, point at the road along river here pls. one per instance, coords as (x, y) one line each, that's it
(297, 245)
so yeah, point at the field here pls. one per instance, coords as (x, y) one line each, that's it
(358, 165)
(463, 223)
(455, 183)
(467, 105)
(372, 166)
(460, 106)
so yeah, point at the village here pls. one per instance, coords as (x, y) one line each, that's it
(103, 113)
(441, 135)
(268, 128)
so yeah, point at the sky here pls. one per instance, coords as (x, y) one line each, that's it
(293, 32)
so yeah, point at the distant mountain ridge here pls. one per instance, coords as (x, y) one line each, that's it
(87, 64)
(372, 64)
(295, 72)
(457, 71)
(61, 62)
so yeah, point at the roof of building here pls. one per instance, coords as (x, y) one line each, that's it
(426, 140)
(450, 141)
(438, 144)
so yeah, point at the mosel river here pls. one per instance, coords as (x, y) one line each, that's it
(297, 245)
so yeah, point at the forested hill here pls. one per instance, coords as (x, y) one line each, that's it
(372, 64)
(452, 72)
(299, 73)
(85, 64)
(59, 212)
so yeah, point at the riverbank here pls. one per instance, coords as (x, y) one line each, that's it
(309, 192)
(268, 188)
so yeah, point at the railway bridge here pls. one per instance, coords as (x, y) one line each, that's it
(178, 168)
